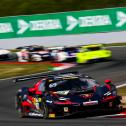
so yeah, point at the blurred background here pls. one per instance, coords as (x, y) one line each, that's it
(56, 48)
(26, 7)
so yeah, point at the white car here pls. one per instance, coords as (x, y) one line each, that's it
(5, 54)
(61, 54)
(57, 53)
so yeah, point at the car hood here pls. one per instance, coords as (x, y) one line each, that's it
(40, 52)
(82, 96)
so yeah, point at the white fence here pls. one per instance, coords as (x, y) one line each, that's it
(67, 40)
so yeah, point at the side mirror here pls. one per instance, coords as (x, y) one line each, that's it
(31, 90)
(107, 81)
(38, 93)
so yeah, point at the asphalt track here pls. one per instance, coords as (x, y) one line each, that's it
(115, 70)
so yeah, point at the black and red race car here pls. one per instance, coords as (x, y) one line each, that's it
(64, 94)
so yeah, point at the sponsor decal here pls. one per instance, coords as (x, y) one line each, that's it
(108, 93)
(90, 103)
(88, 21)
(38, 25)
(66, 109)
(52, 85)
(6, 28)
(52, 115)
(35, 114)
(84, 21)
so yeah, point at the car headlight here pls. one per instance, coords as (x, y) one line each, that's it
(63, 99)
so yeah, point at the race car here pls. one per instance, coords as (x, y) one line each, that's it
(65, 94)
(65, 54)
(93, 52)
(71, 53)
(37, 53)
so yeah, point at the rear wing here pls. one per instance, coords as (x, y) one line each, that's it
(25, 78)
(49, 76)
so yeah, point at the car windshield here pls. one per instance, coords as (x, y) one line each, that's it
(32, 49)
(72, 84)
(74, 50)
(94, 48)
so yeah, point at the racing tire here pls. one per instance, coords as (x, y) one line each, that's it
(45, 111)
(21, 114)
(114, 104)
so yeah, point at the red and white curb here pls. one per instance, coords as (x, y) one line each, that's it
(118, 115)
(61, 66)
(122, 85)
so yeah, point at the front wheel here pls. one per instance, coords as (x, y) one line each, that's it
(45, 110)
(19, 107)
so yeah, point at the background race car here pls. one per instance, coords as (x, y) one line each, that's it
(6, 55)
(37, 53)
(95, 52)
(65, 54)
(71, 53)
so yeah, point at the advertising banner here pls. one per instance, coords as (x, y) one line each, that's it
(76, 22)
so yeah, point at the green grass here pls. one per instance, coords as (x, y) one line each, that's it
(12, 70)
(122, 91)
(116, 44)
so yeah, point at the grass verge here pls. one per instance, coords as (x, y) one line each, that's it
(116, 44)
(12, 70)
(122, 92)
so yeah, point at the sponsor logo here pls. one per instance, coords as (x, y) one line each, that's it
(35, 114)
(38, 25)
(90, 103)
(108, 93)
(63, 92)
(52, 85)
(88, 21)
(86, 95)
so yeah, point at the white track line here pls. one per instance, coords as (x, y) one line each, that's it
(121, 85)
(25, 75)
(112, 115)
(115, 46)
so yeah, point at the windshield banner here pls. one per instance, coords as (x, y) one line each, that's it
(76, 22)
